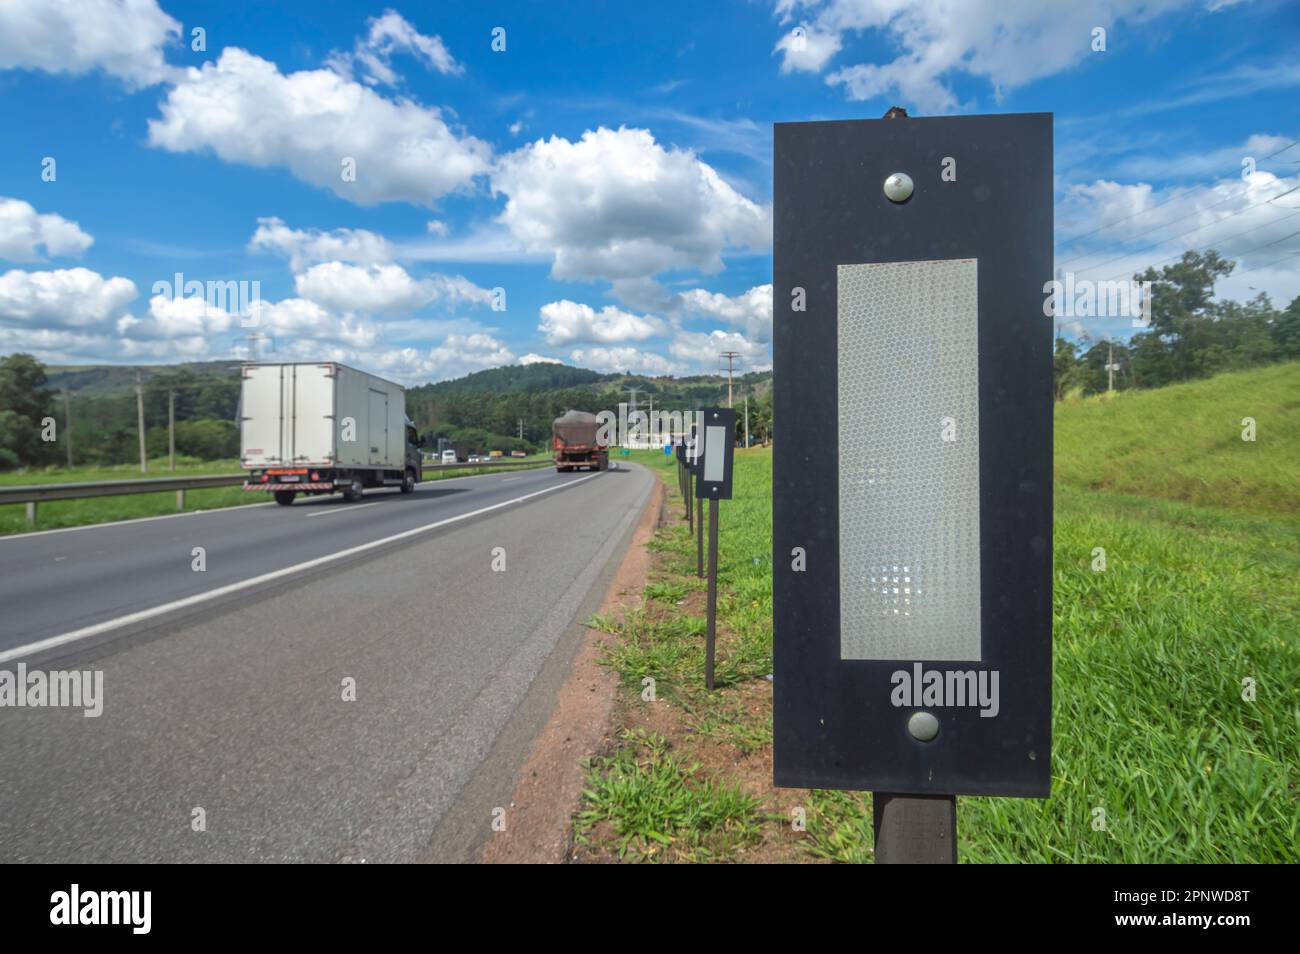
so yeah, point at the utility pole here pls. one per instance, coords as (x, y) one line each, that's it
(730, 356)
(521, 428)
(171, 430)
(67, 425)
(139, 422)
(1111, 366)
(650, 426)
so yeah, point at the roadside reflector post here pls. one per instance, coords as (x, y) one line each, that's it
(31, 511)
(714, 484)
(912, 485)
(695, 459)
(180, 500)
(684, 480)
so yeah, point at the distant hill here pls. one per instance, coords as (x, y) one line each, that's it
(485, 408)
(111, 380)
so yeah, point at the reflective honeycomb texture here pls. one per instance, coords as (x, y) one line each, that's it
(909, 461)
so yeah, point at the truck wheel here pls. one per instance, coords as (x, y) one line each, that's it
(285, 497)
(352, 493)
(408, 482)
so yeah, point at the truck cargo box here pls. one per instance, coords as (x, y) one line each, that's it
(321, 415)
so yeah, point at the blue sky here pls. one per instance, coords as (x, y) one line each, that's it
(598, 192)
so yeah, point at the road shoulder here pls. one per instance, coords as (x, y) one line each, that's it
(548, 788)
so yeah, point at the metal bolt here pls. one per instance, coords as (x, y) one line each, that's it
(898, 187)
(923, 726)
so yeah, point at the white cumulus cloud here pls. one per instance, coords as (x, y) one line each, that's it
(305, 247)
(23, 230)
(750, 311)
(617, 205)
(566, 322)
(243, 109)
(389, 34)
(124, 38)
(1009, 43)
(62, 298)
(383, 288)
(626, 358)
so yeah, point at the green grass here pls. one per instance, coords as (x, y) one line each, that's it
(1149, 723)
(75, 513)
(1183, 442)
(659, 809)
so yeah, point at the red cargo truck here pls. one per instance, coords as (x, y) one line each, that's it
(575, 439)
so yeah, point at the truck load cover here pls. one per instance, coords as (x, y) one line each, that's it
(576, 429)
(320, 414)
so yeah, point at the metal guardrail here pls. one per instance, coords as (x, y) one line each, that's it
(33, 494)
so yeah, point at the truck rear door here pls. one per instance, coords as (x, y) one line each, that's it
(261, 431)
(313, 424)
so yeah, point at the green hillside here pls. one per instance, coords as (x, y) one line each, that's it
(1184, 442)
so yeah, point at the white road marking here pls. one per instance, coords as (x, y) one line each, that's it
(345, 508)
(198, 598)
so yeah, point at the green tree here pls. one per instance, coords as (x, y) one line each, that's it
(24, 402)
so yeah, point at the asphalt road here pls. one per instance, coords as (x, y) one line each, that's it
(233, 709)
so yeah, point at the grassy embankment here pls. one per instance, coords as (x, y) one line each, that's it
(1202, 537)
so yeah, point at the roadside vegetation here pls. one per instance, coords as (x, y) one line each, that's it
(1157, 755)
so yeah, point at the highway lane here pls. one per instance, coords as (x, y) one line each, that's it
(53, 583)
(237, 716)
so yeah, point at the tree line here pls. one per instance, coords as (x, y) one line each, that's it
(104, 428)
(1190, 335)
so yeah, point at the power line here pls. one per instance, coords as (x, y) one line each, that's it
(1172, 198)
(1108, 225)
(1171, 238)
(1255, 268)
(1179, 219)
(1280, 151)
(1218, 241)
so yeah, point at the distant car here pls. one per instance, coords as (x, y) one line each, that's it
(449, 457)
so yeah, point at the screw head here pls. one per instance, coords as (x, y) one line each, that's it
(898, 187)
(923, 726)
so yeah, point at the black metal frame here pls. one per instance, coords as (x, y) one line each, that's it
(834, 726)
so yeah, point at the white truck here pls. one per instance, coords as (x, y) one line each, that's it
(323, 428)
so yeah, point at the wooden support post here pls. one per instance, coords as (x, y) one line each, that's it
(915, 829)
